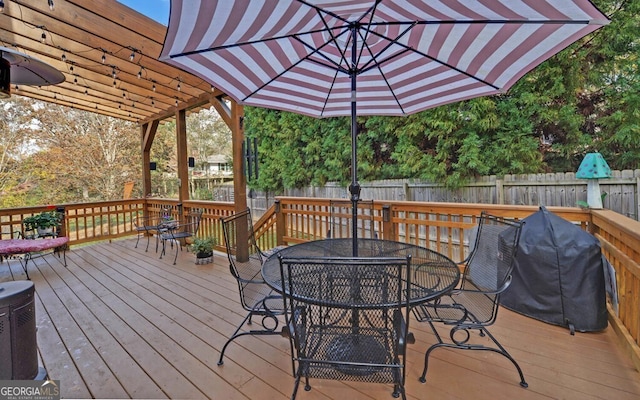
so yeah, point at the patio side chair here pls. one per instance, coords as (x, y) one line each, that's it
(347, 319)
(148, 226)
(470, 309)
(245, 264)
(178, 233)
(341, 215)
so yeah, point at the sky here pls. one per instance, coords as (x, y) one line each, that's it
(155, 9)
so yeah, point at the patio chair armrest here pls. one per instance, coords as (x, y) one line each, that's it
(499, 290)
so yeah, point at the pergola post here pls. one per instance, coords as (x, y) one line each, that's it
(148, 131)
(239, 178)
(181, 142)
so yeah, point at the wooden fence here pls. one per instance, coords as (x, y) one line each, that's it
(550, 190)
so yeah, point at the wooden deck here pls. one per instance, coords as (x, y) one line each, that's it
(120, 323)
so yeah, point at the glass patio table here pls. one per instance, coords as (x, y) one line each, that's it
(432, 274)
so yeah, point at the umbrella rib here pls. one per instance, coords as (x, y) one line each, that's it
(499, 21)
(240, 44)
(377, 63)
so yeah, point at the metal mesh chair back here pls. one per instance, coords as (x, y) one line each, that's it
(245, 259)
(245, 263)
(191, 223)
(347, 318)
(489, 266)
(341, 215)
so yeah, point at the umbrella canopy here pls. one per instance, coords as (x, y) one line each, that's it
(328, 58)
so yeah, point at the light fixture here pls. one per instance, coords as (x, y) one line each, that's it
(21, 69)
(592, 168)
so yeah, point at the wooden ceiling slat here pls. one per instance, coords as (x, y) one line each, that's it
(81, 29)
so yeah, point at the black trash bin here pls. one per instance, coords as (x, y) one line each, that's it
(558, 274)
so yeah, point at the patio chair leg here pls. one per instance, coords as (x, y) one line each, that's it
(26, 261)
(500, 350)
(295, 388)
(178, 248)
(247, 321)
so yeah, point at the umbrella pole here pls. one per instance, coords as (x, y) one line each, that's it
(354, 188)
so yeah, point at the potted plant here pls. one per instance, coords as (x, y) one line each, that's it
(44, 223)
(203, 248)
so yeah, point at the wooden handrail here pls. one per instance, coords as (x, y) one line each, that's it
(444, 227)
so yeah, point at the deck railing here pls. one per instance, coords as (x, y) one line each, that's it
(443, 227)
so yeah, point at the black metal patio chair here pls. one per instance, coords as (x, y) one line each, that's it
(245, 263)
(178, 233)
(148, 226)
(473, 307)
(347, 319)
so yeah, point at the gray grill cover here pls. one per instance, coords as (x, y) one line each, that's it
(558, 276)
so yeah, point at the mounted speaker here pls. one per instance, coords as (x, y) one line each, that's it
(5, 78)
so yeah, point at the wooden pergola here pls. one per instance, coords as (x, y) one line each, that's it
(109, 56)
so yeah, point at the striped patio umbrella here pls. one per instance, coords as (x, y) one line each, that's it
(328, 58)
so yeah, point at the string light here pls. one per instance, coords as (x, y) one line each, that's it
(140, 72)
(132, 56)
(1, 6)
(63, 57)
(179, 86)
(50, 5)
(104, 56)
(153, 87)
(43, 37)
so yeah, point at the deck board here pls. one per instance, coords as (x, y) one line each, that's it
(119, 322)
